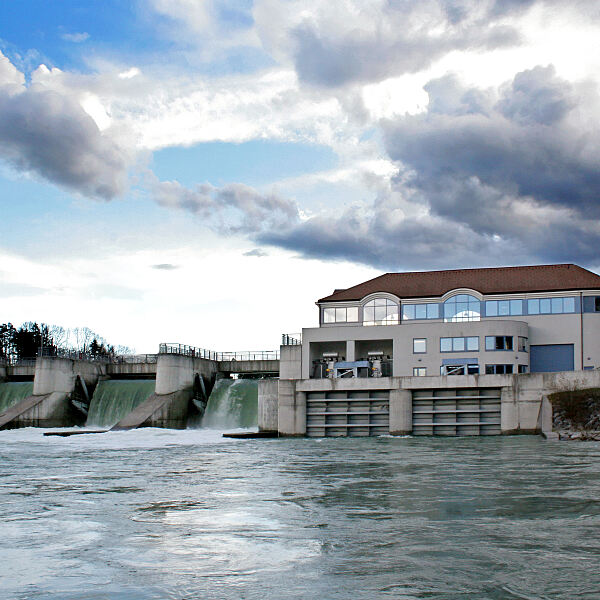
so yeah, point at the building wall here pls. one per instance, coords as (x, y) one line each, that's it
(350, 339)
(316, 340)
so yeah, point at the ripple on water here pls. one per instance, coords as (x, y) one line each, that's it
(164, 514)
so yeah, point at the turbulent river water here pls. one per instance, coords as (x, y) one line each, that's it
(157, 514)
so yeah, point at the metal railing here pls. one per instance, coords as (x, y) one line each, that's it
(148, 359)
(184, 350)
(252, 355)
(291, 339)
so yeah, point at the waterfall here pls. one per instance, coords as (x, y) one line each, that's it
(116, 398)
(233, 403)
(13, 392)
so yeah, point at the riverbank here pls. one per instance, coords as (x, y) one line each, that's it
(576, 414)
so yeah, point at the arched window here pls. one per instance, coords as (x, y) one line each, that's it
(380, 311)
(462, 307)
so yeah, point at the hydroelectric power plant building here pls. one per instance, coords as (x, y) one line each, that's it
(460, 352)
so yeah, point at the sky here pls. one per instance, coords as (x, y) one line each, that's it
(202, 171)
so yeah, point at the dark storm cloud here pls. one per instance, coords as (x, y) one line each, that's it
(468, 154)
(501, 177)
(46, 133)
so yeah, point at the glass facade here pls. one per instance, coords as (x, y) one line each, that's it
(462, 308)
(380, 311)
(411, 312)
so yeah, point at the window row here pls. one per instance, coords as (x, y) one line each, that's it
(473, 369)
(459, 344)
(341, 315)
(456, 309)
(471, 344)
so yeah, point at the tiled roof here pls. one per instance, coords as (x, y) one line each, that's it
(500, 280)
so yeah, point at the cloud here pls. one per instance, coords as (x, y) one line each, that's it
(233, 208)
(46, 132)
(535, 141)
(485, 177)
(256, 252)
(76, 38)
(165, 267)
(335, 44)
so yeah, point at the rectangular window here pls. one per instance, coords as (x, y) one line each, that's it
(408, 312)
(419, 345)
(445, 344)
(569, 305)
(516, 307)
(340, 315)
(523, 368)
(503, 308)
(459, 344)
(433, 311)
(498, 369)
(420, 311)
(472, 344)
(522, 344)
(498, 342)
(419, 371)
(557, 305)
(352, 314)
(533, 306)
(597, 304)
(545, 306)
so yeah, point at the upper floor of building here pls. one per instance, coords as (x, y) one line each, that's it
(463, 295)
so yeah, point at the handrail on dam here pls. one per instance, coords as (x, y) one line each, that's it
(185, 350)
(291, 339)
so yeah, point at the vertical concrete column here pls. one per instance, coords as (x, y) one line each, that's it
(268, 409)
(290, 362)
(509, 411)
(546, 415)
(291, 409)
(400, 412)
(53, 375)
(350, 350)
(174, 373)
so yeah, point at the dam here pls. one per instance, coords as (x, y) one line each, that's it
(171, 389)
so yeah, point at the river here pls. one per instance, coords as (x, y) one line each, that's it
(158, 514)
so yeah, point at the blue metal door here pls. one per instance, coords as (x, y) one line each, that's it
(551, 357)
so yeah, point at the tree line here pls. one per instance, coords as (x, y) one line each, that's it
(27, 340)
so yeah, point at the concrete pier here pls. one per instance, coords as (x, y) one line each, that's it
(54, 382)
(268, 405)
